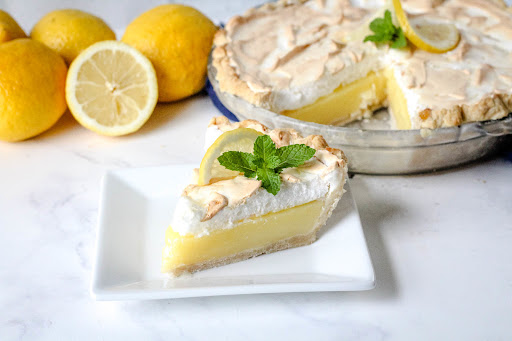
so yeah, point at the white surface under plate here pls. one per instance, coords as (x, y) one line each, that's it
(135, 209)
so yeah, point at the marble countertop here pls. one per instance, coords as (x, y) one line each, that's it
(441, 244)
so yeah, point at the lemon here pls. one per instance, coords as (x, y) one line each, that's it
(70, 31)
(177, 39)
(425, 34)
(241, 139)
(9, 28)
(111, 88)
(32, 82)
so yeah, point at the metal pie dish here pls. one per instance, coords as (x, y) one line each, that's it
(387, 151)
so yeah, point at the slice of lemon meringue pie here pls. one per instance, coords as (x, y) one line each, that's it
(276, 191)
(309, 59)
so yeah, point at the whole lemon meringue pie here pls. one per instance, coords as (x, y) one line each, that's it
(306, 59)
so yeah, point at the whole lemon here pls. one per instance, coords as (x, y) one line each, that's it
(177, 39)
(32, 89)
(9, 28)
(70, 31)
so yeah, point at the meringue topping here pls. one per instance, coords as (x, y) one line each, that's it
(222, 204)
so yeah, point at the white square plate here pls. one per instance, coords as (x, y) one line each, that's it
(135, 209)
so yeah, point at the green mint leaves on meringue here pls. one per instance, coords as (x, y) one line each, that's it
(267, 161)
(385, 32)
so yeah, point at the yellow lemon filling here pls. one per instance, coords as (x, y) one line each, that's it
(352, 101)
(347, 100)
(397, 102)
(252, 234)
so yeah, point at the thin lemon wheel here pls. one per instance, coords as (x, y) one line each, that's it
(111, 88)
(425, 34)
(241, 139)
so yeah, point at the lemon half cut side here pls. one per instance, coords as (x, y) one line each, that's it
(111, 88)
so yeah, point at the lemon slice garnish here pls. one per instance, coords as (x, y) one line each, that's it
(111, 88)
(241, 139)
(426, 34)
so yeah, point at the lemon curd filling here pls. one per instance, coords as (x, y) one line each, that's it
(352, 101)
(397, 102)
(339, 106)
(249, 235)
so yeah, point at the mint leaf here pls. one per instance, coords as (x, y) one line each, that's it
(272, 161)
(267, 162)
(240, 162)
(385, 32)
(265, 152)
(294, 155)
(378, 25)
(400, 41)
(264, 147)
(270, 180)
(375, 38)
(387, 19)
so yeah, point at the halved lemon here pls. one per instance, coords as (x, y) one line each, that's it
(111, 88)
(425, 34)
(241, 139)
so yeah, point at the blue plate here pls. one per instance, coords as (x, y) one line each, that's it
(217, 102)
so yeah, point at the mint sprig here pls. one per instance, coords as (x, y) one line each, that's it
(267, 162)
(385, 32)
(239, 162)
